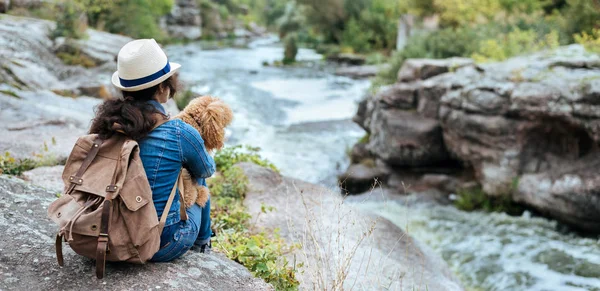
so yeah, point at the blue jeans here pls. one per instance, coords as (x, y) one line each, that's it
(178, 238)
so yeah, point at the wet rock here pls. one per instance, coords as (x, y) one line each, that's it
(421, 69)
(361, 177)
(359, 152)
(33, 265)
(360, 72)
(401, 96)
(320, 220)
(404, 138)
(348, 59)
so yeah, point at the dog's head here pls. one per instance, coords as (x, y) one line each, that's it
(210, 116)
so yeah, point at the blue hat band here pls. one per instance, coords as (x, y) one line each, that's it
(147, 79)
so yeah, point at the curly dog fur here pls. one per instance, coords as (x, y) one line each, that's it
(209, 116)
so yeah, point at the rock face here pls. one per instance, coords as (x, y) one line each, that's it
(338, 241)
(44, 102)
(528, 128)
(185, 20)
(29, 262)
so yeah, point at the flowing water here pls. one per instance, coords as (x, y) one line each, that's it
(300, 118)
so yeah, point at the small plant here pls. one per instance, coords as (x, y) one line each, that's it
(10, 93)
(10, 165)
(229, 156)
(76, 59)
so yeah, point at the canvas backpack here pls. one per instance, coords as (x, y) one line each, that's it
(106, 212)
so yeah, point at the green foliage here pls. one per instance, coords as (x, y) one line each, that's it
(582, 15)
(76, 59)
(291, 49)
(261, 253)
(472, 199)
(514, 43)
(229, 156)
(591, 41)
(71, 20)
(10, 165)
(10, 93)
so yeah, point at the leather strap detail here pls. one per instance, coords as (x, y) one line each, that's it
(59, 252)
(163, 217)
(182, 209)
(103, 239)
(76, 179)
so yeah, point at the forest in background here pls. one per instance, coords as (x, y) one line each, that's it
(486, 30)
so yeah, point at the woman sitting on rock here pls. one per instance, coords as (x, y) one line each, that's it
(147, 79)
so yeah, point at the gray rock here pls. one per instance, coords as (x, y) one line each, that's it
(29, 262)
(401, 96)
(329, 229)
(360, 178)
(403, 138)
(185, 20)
(4, 6)
(49, 178)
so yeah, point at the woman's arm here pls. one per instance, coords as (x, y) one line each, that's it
(194, 155)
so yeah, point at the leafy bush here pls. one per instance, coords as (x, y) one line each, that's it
(514, 43)
(261, 253)
(591, 41)
(71, 20)
(473, 199)
(229, 156)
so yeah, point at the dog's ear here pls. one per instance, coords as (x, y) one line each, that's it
(212, 116)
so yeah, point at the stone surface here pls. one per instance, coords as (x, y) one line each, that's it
(348, 59)
(404, 138)
(529, 117)
(421, 69)
(48, 178)
(330, 229)
(360, 178)
(29, 262)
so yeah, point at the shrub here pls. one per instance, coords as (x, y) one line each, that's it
(472, 199)
(229, 156)
(10, 165)
(591, 41)
(514, 43)
(291, 49)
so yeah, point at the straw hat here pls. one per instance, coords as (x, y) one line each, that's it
(142, 64)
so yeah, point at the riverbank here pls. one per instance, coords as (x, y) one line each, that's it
(45, 107)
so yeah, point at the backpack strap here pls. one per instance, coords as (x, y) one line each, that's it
(77, 178)
(102, 247)
(163, 217)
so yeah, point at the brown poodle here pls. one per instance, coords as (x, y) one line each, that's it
(209, 116)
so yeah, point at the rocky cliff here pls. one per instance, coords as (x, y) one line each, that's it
(527, 128)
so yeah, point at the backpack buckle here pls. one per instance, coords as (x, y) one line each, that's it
(112, 188)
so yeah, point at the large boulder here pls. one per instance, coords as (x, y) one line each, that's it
(340, 244)
(29, 262)
(529, 120)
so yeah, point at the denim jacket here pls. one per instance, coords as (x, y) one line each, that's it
(164, 151)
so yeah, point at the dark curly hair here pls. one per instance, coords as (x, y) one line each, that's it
(132, 115)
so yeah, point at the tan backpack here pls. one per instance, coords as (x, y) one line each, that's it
(106, 212)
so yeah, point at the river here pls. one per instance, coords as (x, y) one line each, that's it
(300, 118)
